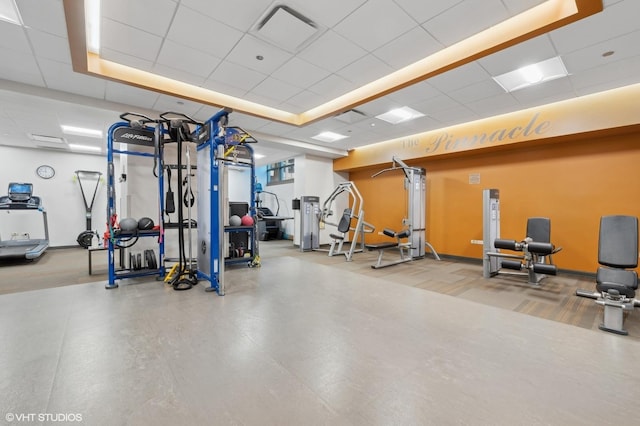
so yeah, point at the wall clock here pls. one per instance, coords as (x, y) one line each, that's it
(45, 172)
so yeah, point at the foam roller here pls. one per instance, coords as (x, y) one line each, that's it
(540, 248)
(512, 264)
(541, 268)
(505, 244)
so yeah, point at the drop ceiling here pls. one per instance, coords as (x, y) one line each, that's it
(216, 45)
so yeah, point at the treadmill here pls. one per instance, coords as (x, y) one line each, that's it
(21, 198)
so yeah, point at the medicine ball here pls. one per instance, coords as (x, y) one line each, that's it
(247, 220)
(235, 220)
(145, 223)
(128, 224)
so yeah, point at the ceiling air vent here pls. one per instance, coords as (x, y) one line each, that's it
(352, 116)
(287, 29)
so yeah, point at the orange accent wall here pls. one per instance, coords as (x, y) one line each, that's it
(574, 183)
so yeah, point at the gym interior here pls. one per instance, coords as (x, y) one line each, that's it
(301, 212)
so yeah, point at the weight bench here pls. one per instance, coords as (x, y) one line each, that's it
(404, 248)
(616, 283)
(536, 251)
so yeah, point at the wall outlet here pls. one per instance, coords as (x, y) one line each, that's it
(478, 242)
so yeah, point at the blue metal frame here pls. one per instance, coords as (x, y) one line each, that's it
(117, 275)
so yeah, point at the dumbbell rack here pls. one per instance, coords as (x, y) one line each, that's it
(137, 137)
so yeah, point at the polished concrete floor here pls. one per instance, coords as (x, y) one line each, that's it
(296, 342)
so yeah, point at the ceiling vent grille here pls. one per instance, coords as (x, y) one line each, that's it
(352, 116)
(287, 29)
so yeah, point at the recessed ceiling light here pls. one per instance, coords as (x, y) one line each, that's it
(9, 12)
(400, 115)
(81, 131)
(92, 24)
(608, 53)
(258, 156)
(76, 147)
(45, 138)
(328, 137)
(259, 57)
(530, 75)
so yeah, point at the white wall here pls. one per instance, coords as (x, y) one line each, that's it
(61, 196)
(315, 176)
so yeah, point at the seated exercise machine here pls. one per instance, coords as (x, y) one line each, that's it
(616, 283)
(20, 197)
(415, 185)
(536, 248)
(403, 247)
(345, 225)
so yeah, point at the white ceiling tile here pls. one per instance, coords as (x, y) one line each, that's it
(526, 53)
(124, 59)
(375, 23)
(201, 32)
(179, 75)
(474, 92)
(275, 89)
(246, 51)
(129, 95)
(433, 105)
(241, 15)
(332, 52)
(13, 37)
(624, 47)
(128, 40)
(49, 46)
(456, 115)
(300, 73)
(415, 93)
(459, 77)
(620, 18)
(254, 97)
(331, 87)
(132, 13)
(554, 89)
(397, 55)
(608, 76)
(224, 88)
(21, 68)
(237, 76)
(302, 101)
(47, 16)
(275, 128)
(327, 12)
(495, 105)
(469, 17)
(247, 122)
(379, 106)
(518, 6)
(172, 104)
(61, 76)
(422, 11)
(365, 70)
(182, 58)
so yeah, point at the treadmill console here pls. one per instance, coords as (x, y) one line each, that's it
(20, 197)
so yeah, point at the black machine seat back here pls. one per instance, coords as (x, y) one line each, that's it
(618, 251)
(345, 221)
(539, 229)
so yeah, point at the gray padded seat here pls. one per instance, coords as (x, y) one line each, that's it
(618, 251)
